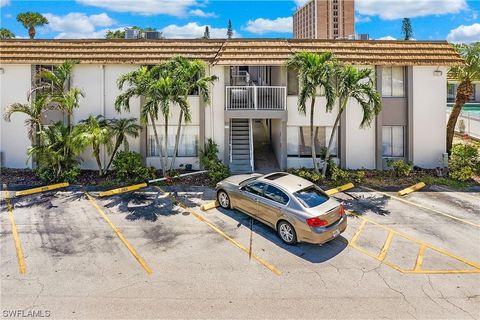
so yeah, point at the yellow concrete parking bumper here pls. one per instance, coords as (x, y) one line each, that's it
(41, 189)
(209, 205)
(411, 189)
(122, 190)
(339, 189)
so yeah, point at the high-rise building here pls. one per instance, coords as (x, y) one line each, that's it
(325, 19)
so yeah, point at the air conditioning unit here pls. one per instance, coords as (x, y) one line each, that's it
(132, 34)
(151, 35)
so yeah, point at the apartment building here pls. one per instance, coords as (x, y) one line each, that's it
(253, 115)
(324, 19)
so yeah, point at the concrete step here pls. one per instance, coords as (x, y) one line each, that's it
(237, 169)
(236, 158)
(241, 147)
(241, 162)
(240, 151)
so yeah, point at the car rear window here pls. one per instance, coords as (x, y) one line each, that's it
(311, 197)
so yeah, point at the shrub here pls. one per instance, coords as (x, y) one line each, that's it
(305, 173)
(464, 162)
(400, 167)
(128, 168)
(359, 176)
(208, 155)
(218, 171)
(338, 175)
(47, 175)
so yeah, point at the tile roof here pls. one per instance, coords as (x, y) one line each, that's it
(225, 52)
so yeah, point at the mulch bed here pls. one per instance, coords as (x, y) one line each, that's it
(26, 177)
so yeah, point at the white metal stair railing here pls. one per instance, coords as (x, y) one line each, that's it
(250, 133)
(255, 98)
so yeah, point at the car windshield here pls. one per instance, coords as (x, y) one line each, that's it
(248, 180)
(311, 197)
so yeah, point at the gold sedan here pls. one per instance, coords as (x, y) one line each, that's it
(296, 208)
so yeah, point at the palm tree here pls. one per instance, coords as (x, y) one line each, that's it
(465, 74)
(6, 34)
(67, 102)
(94, 131)
(139, 82)
(315, 72)
(352, 83)
(35, 111)
(55, 81)
(122, 129)
(193, 76)
(163, 93)
(30, 20)
(58, 150)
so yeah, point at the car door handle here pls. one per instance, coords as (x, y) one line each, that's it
(256, 200)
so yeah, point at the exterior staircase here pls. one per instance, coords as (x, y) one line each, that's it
(240, 148)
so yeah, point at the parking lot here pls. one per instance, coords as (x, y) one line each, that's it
(153, 253)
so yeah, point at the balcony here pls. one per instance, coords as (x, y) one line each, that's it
(265, 98)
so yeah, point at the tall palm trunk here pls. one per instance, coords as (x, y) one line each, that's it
(157, 141)
(312, 136)
(177, 139)
(97, 158)
(464, 92)
(31, 33)
(165, 155)
(330, 141)
(118, 143)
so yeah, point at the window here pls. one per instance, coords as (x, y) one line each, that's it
(276, 195)
(293, 83)
(299, 141)
(393, 81)
(393, 138)
(255, 188)
(451, 92)
(187, 146)
(311, 197)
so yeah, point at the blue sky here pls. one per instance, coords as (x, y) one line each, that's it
(455, 20)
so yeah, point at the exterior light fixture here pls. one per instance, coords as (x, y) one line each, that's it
(437, 73)
(2, 71)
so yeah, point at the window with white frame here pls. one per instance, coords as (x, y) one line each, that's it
(187, 146)
(393, 141)
(299, 141)
(393, 82)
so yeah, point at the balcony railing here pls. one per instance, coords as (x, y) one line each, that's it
(255, 98)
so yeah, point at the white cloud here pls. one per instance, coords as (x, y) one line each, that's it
(465, 34)
(101, 19)
(387, 38)
(397, 9)
(78, 25)
(202, 14)
(362, 19)
(178, 8)
(194, 30)
(4, 3)
(261, 25)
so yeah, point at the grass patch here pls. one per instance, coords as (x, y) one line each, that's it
(447, 182)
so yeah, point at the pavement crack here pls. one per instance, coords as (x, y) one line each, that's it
(399, 292)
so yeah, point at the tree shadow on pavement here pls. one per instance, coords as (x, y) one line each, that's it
(143, 205)
(363, 204)
(309, 252)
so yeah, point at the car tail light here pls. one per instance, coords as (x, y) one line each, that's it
(341, 212)
(316, 222)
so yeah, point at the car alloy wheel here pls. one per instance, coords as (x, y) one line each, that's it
(223, 199)
(287, 233)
